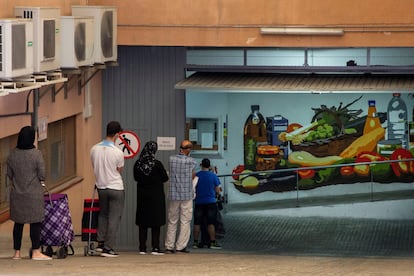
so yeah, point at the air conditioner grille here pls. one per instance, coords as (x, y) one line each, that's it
(1, 48)
(80, 41)
(107, 36)
(49, 38)
(18, 46)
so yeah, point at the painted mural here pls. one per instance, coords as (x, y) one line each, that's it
(338, 137)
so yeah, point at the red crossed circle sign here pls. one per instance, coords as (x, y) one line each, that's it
(129, 143)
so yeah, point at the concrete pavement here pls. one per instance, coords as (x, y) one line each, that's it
(256, 243)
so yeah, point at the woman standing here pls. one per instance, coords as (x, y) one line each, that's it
(150, 175)
(26, 170)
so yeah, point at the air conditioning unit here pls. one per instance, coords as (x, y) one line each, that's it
(16, 48)
(105, 30)
(77, 41)
(46, 36)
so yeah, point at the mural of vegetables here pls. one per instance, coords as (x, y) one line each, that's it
(337, 137)
(367, 142)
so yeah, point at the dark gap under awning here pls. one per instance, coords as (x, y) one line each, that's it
(268, 82)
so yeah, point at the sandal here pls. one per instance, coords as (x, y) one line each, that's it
(45, 258)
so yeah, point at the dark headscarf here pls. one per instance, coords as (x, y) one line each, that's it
(26, 138)
(146, 161)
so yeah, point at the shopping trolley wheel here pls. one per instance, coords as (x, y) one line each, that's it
(49, 251)
(62, 252)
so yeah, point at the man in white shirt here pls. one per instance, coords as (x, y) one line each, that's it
(108, 162)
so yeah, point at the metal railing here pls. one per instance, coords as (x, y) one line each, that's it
(297, 169)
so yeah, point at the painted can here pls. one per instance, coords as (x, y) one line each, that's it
(387, 147)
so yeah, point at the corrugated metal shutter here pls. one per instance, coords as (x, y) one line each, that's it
(140, 94)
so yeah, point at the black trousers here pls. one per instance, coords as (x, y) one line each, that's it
(155, 237)
(34, 235)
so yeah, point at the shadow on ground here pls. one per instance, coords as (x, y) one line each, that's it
(318, 236)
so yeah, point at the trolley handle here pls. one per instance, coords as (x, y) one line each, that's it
(48, 193)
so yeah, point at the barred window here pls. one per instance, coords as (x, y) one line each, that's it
(59, 151)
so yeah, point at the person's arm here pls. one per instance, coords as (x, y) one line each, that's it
(164, 175)
(194, 172)
(120, 169)
(41, 168)
(120, 165)
(217, 189)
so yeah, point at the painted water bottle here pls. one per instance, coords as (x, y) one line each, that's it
(372, 122)
(254, 134)
(411, 132)
(397, 120)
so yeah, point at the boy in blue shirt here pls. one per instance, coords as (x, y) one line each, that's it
(205, 208)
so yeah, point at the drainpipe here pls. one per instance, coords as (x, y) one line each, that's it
(35, 113)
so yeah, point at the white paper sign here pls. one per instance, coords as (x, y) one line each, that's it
(42, 128)
(166, 143)
(207, 140)
(193, 135)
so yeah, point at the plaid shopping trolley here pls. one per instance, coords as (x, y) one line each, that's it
(57, 228)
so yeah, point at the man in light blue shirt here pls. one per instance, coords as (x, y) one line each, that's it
(180, 195)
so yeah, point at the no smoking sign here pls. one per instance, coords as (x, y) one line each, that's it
(129, 143)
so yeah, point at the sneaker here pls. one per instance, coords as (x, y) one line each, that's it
(109, 253)
(169, 251)
(156, 251)
(184, 250)
(100, 247)
(214, 245)
(196, 244)
(142, 253)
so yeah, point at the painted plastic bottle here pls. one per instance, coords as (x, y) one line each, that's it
(254, 135)
(397, 120)
(372, 122)
(411, 132)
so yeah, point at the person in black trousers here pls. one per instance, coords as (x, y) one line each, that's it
(27, 173)
(150, 175)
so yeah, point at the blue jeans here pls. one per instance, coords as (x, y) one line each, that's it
(111, 204)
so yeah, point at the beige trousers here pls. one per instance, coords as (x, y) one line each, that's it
(179, 211)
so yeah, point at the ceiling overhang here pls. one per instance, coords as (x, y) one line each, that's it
(323, 83)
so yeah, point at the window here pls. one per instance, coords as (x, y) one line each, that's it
(6, 144)
(204, 133)
(59, 151)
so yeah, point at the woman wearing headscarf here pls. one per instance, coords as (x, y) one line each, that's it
(26, 170)
(150, 175)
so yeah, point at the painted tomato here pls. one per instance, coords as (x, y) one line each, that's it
(363, 169)
(236, 170)
(377, 169)
(400, 168)
(373, 156)
(292, 127)
(347, 171)
(306, 174)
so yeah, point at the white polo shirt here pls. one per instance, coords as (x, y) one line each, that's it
(106, 158)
